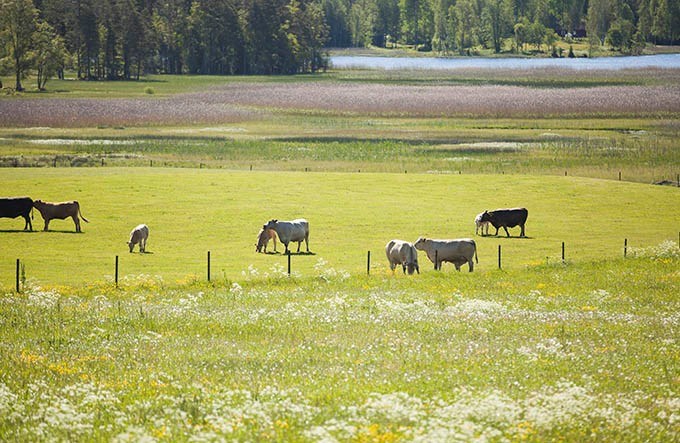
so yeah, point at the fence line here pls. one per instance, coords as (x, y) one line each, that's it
(94, 160)
(20, 269)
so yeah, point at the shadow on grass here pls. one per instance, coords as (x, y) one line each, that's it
(512, 237)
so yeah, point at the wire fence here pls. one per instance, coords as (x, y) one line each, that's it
(20, 276)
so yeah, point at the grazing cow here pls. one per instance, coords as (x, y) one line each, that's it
(458, 251)
(263, 239)
(481, 226)
(14, 207)
(402, 253)
(290, 231)
(507, 218)
(59, 211)
(139, 235)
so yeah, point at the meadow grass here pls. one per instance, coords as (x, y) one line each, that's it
(571, 352)
(192, 211)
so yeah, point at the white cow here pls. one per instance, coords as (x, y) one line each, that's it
(484, 225)
(402, 253)
(291, 231)
(139, 235)
(458, 252)
(263, 239)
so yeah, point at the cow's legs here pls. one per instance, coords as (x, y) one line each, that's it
(77, 222)
(506, 231)
(521, 234)
(299, 243)
(142, 245)
(28, 223)
(47, 224)
(307, 242)
(403, 268)
(471, 264)
(286, 245)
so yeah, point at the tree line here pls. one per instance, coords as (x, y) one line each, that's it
(457, 26)
(123, 39)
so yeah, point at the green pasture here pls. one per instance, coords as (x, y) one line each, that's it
(192, 211)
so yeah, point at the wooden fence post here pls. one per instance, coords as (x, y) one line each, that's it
(368, 263)
(563, 252)
(116, 275)
(288, 253)
(18, 267)
(436, 259)
(208, 265)
(499, 257)
(625, 247)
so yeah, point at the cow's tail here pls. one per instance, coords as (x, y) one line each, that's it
(81, 214)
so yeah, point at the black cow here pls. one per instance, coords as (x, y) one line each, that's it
(14, 207)
(507, 218)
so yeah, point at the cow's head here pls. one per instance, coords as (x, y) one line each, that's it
(271, 224)
(486, 216)
(131, 245)
(412, 267)
(419, 244)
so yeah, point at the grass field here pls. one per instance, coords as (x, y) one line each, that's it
(584, 349)
(192, 211)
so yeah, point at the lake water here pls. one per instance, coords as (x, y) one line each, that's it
(601, 63)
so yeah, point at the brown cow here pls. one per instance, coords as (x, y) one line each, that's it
(263, 239)
(59, 211)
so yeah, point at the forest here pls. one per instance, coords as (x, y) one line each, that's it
(124, 39)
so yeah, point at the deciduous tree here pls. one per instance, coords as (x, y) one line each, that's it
(18, 26)
(50, 53)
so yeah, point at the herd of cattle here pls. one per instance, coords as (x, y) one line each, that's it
(399, 252)
(14, 207)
